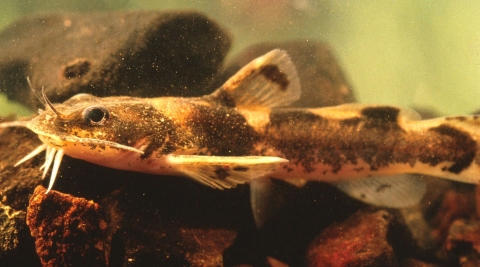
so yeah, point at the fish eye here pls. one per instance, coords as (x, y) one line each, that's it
(96, 115)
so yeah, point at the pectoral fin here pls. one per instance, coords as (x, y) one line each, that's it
(397, 191)
(224, 172)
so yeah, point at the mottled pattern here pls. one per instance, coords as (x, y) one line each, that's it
(457, 146)
(222, 131)
(374, 136)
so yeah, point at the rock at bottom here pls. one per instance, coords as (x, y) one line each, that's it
(68, 231)
(359, 241)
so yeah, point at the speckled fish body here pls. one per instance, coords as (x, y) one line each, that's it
(245, 130)
(349, 141)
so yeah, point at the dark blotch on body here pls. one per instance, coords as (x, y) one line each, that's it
(222, 131)
(381, 117)
(273, 73)
(385, 114)
(460, 146)
(295, 117)
(458, 118)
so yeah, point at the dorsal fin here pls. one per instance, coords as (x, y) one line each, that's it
(268, 81)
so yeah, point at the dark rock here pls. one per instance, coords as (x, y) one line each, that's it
(364, 239)
(11, 223)
(287, 235)
(139, 53)
(17, 183)
(68, 231)
(152, 224)
(208, 245)
(16, 244)
(321, 77)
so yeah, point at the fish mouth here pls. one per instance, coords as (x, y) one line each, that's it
(62, 141)
(54, 147)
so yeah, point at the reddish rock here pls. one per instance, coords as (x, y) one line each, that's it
(462, 245)
(361, 240)
(68, 231)
(455, 204)
(462, 232)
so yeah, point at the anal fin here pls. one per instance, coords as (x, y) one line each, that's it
(395, 191)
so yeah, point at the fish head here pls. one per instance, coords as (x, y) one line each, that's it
(92, 128)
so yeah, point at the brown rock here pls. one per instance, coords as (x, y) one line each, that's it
(16, 244)
(17, 183)
(68, 231)
(359, 241)
(455, 204)
(11, 223)
(477, 200)
(463, 241)
(140, 53)
(208, 245)
(321, 77)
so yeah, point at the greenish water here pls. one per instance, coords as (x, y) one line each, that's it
(406, 53)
